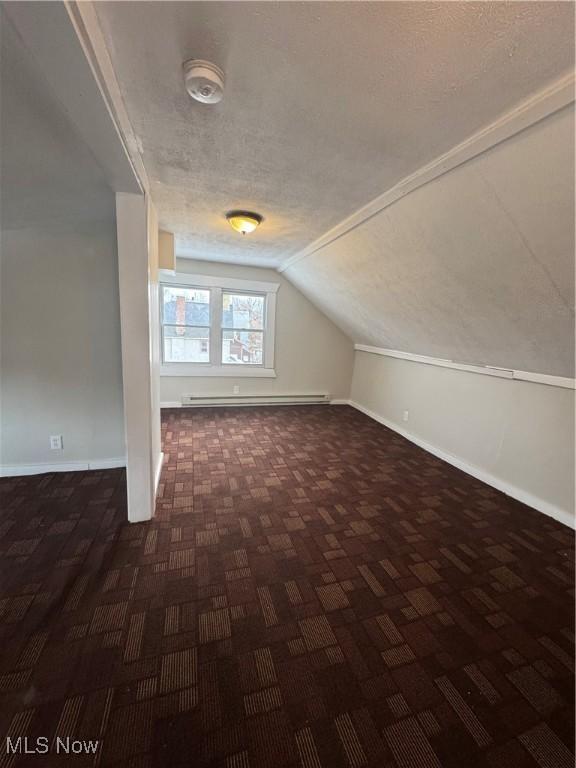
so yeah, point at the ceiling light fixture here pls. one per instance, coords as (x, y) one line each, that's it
(204, 81)
(243, 221)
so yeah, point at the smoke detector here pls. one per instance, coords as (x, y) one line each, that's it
(204, 81)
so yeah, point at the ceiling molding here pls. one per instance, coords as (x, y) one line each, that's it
(486, 370)
(554, 97)
(87, 27)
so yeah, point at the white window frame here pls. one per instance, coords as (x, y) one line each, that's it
(218, 286)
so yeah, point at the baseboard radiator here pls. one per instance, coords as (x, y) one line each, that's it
(205, 400)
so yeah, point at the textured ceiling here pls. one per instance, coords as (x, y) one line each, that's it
(49, 177)
(476, 267)
(327, 105)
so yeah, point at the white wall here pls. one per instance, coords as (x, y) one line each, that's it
(311, 354)
(137, 227)
(154, 325)
(60, 364)
(516, 435)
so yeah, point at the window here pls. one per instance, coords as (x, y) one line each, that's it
(185, 324)
(214, 327)
(242, 328)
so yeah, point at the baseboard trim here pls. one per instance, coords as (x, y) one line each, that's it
(471, 469)
(18, 470)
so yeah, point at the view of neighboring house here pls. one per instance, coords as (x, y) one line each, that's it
(186, 326)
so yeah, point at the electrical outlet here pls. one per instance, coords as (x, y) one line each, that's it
(56, 443)
(236, 389)
(405, 415)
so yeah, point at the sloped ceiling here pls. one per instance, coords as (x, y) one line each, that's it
(327, 104)
(50, 179)
(476, 266)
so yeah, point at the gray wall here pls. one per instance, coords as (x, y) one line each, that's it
(520, 435)
(60, 364)
(60, 361)
(477, 267)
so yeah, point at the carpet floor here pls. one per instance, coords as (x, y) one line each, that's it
(314, 592)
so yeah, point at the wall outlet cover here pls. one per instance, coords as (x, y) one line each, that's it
(405, 415)
(236, 389)
(56, 443)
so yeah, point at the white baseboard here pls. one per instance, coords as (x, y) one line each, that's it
(107, 463)
(471, 469)
(17, 470)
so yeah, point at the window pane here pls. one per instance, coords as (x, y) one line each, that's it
(186, 345)
(242, 347)
(185, 306)
(240, 310)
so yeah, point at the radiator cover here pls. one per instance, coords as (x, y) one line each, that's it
(273, 399)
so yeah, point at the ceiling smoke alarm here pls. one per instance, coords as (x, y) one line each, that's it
(204, 81)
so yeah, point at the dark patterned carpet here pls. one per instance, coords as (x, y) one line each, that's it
(315, 591)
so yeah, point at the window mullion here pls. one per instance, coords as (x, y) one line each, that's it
(215, 326)
(269, 330)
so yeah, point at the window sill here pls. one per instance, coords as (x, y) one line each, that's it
(217, 371)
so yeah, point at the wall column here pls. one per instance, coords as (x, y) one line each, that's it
(138, 284)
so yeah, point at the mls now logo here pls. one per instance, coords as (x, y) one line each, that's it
(70, 746)
(41, 746)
